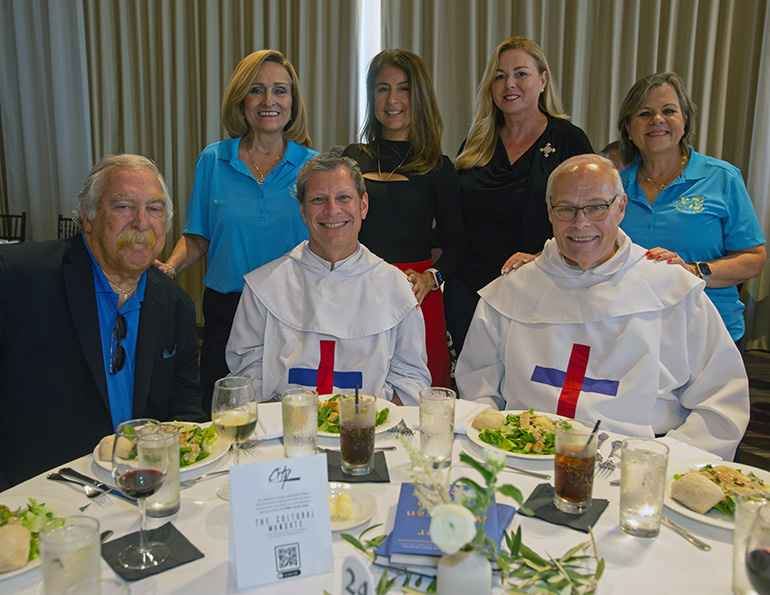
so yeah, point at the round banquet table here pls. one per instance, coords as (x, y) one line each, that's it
(667, 564)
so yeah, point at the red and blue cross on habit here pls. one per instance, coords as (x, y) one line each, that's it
(573, 381)
(324, 379)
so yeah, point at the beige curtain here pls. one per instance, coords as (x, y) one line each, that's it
(158, 71)
(597, 49)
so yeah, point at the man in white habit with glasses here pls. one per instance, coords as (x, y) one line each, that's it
(593, 329)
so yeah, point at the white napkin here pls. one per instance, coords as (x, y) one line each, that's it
(270, 424)
(465, 411)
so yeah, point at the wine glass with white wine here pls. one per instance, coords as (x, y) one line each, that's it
(234, 415)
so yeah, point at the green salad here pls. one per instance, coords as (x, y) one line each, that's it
(34, 517)
(525, 433)
(329, 415)
(732, 482)
(195, 443)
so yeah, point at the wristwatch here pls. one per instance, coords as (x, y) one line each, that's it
(703, 270)
(437, 277)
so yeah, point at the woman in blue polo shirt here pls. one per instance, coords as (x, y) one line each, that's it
(686, 208)
(243, 212)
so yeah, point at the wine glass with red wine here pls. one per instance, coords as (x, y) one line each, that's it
(139, 466)
(758, 552)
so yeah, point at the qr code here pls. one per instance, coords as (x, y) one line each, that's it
(287, 557)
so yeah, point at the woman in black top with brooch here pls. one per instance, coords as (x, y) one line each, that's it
(519, 135)
(411, 184)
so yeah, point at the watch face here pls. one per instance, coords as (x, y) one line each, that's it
(704, 268)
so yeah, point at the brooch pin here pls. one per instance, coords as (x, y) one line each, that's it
(547, 150)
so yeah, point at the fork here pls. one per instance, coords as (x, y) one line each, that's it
(403, 429)
(608, 466)
(602, 437)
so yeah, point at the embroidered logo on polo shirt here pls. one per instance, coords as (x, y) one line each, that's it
(692, 204)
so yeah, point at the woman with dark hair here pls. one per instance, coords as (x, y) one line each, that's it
(687, 208)
(411, 184)
(242, 212)
(519, 135)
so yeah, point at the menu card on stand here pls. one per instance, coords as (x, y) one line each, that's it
(279, 520)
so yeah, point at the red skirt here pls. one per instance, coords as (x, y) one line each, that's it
(435, 329)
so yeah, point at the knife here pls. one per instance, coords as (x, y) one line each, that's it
(686, 534)
(69, 472)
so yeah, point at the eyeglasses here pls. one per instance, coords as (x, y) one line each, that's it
(118, 359)
(595, 212)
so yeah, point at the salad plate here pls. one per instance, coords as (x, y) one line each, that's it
(394, 416)
(62, 507)
(219, 448)
(473, 436)
(364, 505)
(713, 517)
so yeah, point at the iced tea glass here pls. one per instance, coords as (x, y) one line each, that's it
(574, 466)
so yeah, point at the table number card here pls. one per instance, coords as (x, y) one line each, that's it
(279, 520)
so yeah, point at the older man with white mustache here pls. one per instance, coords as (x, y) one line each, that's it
(90, 333)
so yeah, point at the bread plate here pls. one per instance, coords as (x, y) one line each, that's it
(219, 448)
(473, 436)
(364, 505)
(713, 517)
(62, 507)
(394, 416)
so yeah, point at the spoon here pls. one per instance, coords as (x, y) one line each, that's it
(90, 491)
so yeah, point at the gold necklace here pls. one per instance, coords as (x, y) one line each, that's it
(379, 171)
(126, 292)
(678, 171)
(261, 179)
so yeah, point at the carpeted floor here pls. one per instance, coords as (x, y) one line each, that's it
(755, 447)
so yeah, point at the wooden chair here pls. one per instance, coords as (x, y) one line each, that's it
(67, 226)
(13, 228)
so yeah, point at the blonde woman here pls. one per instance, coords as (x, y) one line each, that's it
(411, 184)
(242, 212)
(519, 135)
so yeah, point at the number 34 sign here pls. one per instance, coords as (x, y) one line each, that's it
(356, 578)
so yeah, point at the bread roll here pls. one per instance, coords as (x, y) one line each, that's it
(105, 447)
(14, 547)
(489, 419)
(696, 492)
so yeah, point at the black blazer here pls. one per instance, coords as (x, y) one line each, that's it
(54, 405)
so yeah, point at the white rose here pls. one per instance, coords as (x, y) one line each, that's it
(493, 456)
(452, 527)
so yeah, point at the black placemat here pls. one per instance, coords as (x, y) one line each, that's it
(540, 502)
(378, 474)
(182, 551)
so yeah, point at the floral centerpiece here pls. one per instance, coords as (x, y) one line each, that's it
(457, 528)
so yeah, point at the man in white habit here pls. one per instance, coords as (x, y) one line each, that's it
(593, 329)
(330, 315)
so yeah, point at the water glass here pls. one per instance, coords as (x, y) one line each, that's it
(70, 553)
(746, 508)
(299, 413)
(642, 484)
(574, 466)
(437, 423)
(166, 500)
(358, 416)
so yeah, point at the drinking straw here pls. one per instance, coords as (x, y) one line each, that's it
(356, 399)
(593, 433)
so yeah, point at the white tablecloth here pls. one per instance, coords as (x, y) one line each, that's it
(667, 564)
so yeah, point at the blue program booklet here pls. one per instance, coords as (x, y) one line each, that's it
(410, 544)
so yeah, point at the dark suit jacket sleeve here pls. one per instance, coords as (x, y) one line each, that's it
(167, 350)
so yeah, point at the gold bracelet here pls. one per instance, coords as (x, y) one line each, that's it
(173, 271)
